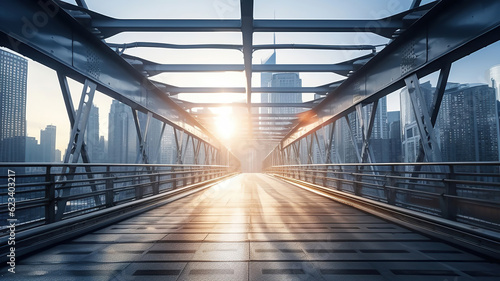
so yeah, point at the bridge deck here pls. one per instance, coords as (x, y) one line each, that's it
(254, 227)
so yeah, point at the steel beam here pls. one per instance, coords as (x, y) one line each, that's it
(108, 26)
(156, 69)
(62, 43)
(151, 68)
(131, 45)
(247, 23)
(426, 129)
(353, 139)
(241, 90)
(423, 48)
(210, 105)
(75, 144)
(142, 135)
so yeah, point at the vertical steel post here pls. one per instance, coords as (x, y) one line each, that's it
(50, 194)
(110, 197)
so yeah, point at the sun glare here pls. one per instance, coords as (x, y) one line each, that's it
(224, 122)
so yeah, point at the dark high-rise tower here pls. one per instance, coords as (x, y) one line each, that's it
(13, 84)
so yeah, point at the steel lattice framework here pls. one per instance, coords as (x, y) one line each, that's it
(423, 39)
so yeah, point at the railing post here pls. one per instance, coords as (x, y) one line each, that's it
(110, 198)
(389, 191)
(50, 193)
(357, 179)
(139, 191)
(339, 178)
(325, 176)
(173, 176)
(185, 176)
(156, 183)
(449, 204)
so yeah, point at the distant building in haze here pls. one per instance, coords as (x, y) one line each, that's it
(122, 135)
(48, 144)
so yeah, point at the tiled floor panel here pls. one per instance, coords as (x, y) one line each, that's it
(253, 227)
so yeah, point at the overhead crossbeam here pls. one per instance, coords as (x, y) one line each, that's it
(259, 105)
(241, 90)
(124, 46)
(108, 26)
(151, 68)
(105, 26)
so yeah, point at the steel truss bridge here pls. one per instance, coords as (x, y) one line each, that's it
(308, 215)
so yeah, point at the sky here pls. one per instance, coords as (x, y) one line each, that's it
(46, 106)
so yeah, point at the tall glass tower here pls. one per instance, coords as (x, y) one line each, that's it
(13, 85)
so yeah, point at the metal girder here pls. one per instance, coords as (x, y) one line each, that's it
(195, 105)
(53, 37)
(142, 135)
(426, 129)
(108, 26)
(316, 47)
(366, 131)
(156, 69)
(329, 144)
(436, 104)
(75, 144)
(178, 145)
(158, 146)
(150, 68)
(415, 4)
(63, 83)
(241, 90)
(247, 23)
(268, 116)
(124, 46)
(353, 139)
(423, 48)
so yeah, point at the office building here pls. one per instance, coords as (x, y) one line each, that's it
(122, 134)
(13, 90)
(48, 144)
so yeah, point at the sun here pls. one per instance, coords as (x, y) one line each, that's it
(224, 122)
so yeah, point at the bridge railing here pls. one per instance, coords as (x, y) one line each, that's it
(47, 193)
(463, 192)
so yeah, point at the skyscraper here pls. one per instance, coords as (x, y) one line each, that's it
(466, 128)
(13, 85)
(92, 136)
(260, 150)
(280, 80)
(48, 143)
(495, 80)
(467, 122)
(122, 135)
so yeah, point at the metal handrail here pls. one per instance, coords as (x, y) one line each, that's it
(40, 199)
(468, 193)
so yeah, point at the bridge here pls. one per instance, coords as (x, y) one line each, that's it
(286, 180)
